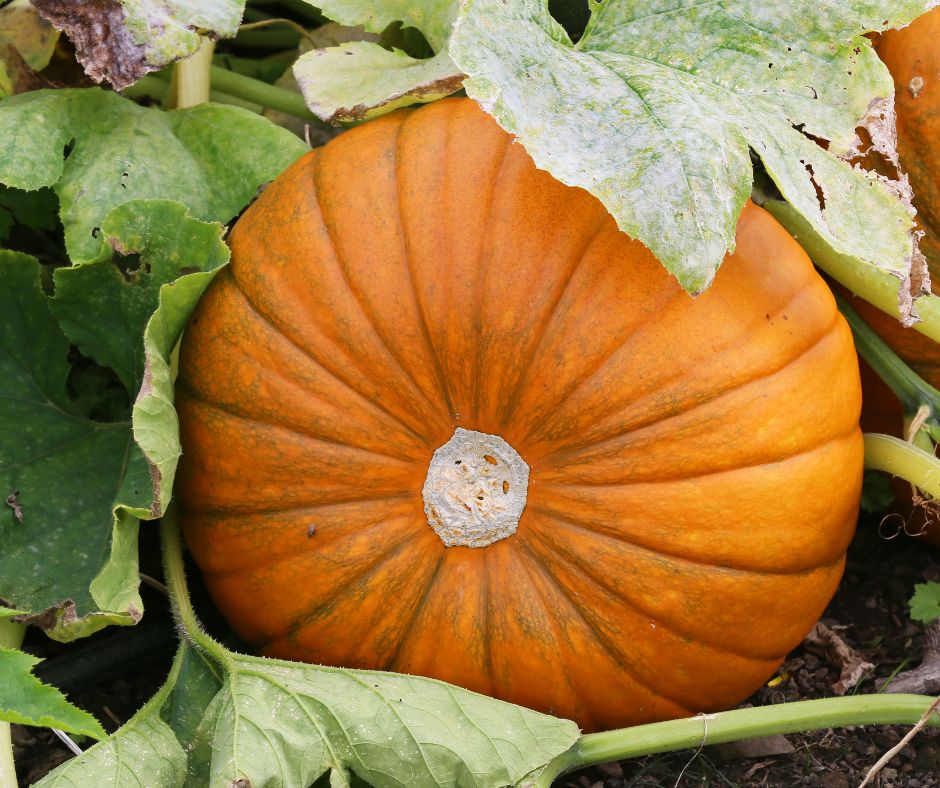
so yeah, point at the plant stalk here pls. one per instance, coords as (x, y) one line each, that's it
(191, 76)
(903, 459)
(914, 392)
(191, 630)
(11, 636)
(658, 737)
(258, 92)
(876, 286)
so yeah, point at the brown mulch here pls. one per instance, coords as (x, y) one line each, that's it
(869, 614)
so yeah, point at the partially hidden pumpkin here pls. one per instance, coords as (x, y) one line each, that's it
(416, 295)
(912, 55)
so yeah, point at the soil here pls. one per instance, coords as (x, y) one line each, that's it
(115, 671)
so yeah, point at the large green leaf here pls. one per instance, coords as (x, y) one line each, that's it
(68, 550)
(121, 40)
(69, 544)
(210, 158)
(283, 724)
(656, 108)
(25, 700)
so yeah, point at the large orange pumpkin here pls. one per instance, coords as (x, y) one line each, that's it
(694, 465)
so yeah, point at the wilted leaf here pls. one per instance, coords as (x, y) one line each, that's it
(121, 40)
(22, 27)
(25, 700)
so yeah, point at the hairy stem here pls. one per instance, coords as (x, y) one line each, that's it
(658, 737)
(11, 636)
(903, 459)
(868, 282)
(190, 629)
(258, 92)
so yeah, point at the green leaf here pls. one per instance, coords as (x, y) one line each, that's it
(925, 604)
(121, 40)
(78, 487)
(210, 158)
(152, 747)
(59, 475)
(285, 724)
(104, 308)
(7, 612)
(25, 700)
(360, 80)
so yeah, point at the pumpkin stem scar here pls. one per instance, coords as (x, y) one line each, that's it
(475, 490)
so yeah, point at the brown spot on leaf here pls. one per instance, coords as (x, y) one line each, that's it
(15, 505)
(22, 77)
(103, 44)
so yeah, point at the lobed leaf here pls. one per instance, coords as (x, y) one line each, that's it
(925, 603)
(25, 700)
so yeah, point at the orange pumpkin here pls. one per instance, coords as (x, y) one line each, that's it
(693, 465)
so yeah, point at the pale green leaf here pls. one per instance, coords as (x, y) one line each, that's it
(282, 725)
(25, 700)
(121, 41)
(656, 107)
(360, 80)
(210, 158)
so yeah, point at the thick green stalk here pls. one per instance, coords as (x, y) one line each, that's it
(192, 76)
(726, 726)
(905, 460)
(191, 630)
(868, 282)
(11, 636)
(258, 92)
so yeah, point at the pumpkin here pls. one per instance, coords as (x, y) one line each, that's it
(440, 416)
(913, 58)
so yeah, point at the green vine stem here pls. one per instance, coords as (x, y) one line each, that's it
(11, 636)
(905, 460)
(258, 92)
(914, 392)
(191, 630)
(868, 282)
(658, 737)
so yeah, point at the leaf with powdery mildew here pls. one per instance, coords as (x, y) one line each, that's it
(121, 40)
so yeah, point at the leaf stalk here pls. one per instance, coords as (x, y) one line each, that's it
(11, 636)
(659, 737)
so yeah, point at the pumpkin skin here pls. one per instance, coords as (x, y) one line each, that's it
(695, 463)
